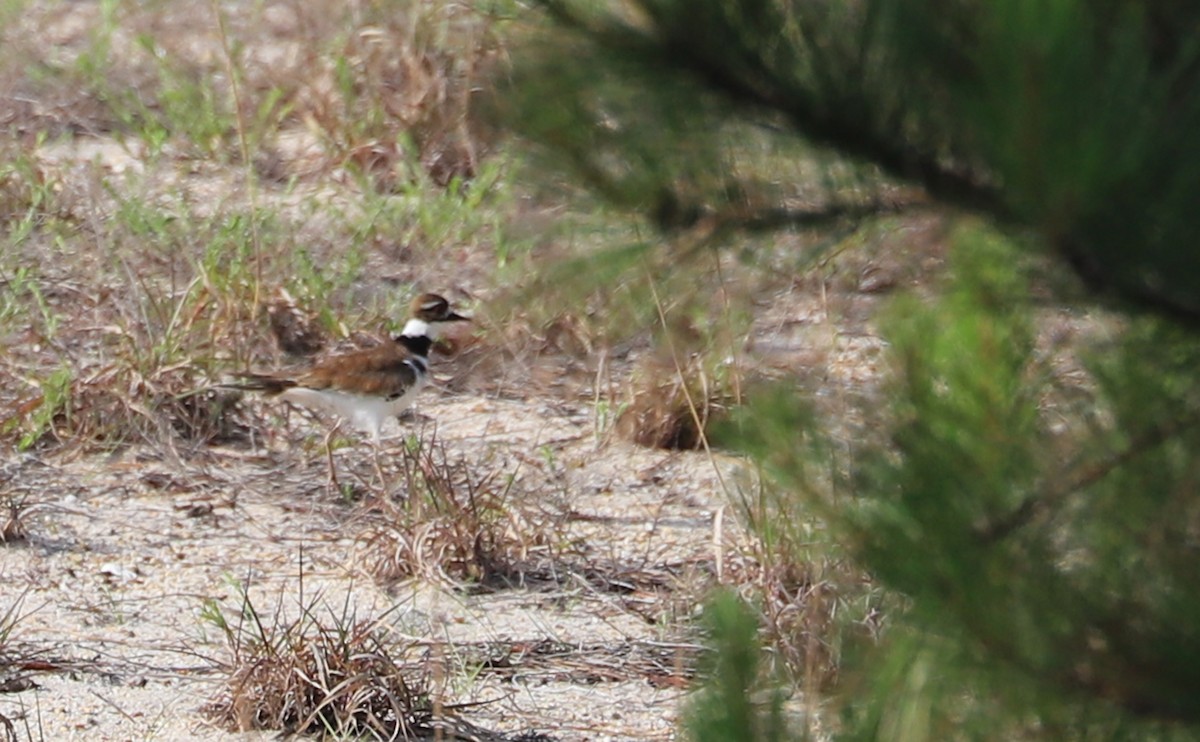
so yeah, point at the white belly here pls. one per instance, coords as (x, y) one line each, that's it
(366, 412)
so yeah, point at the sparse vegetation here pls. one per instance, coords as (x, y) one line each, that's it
(334, 675)
(17, 663)
(673, 406)
(190, 195)
(178, 278)
(193, 191)
(193, 194)
(449, 523)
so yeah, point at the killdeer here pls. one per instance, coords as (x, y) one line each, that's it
(366, 386)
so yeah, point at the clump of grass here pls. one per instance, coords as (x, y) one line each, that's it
(8, 623)
(26, 189)
(34, 419)
(116, 405)
(397, 91)
(452, 525)
(672, 407)
(809, 607)
(342, 676)
(814, 607)
(15, 660)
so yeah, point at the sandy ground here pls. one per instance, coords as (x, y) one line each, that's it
(123, 553)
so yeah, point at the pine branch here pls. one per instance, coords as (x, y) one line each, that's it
(731, 59)
(830, 215)
(744, 78)
(1042, 503)
(1103, 279)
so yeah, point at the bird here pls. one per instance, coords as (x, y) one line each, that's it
(368, 386)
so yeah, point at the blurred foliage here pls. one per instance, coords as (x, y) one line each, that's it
(729, 706)
(1048, 570)
(1049, 582)
(1076, 572)
(1070, 118)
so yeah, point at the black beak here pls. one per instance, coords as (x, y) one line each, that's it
(456, 317)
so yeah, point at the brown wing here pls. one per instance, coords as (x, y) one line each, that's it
(386, 370)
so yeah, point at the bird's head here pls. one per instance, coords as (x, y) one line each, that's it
(430, 314)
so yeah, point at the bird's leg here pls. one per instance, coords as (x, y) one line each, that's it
(376, 445)
(332, 482)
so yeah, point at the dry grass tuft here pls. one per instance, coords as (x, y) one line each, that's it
(671, 408)
(800, 605)
(116, 405)
(346, 678)
(396, 91)
(343, 678)
(25, 482)
(814, 605)
(15, 660)
(453, 526)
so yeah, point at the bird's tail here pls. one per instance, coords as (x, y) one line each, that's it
(265, 383)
